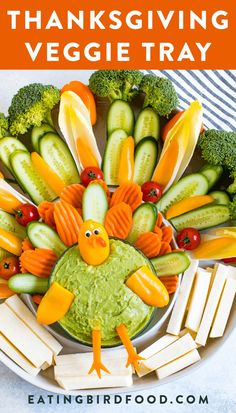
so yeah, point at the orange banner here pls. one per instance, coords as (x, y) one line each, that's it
(91, 34)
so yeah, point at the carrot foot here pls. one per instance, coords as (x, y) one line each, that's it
(133, 357)
(98, 366)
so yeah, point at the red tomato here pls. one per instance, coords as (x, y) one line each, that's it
(229, 260)
(26, 213)
(152, 191)
(89, 174)
(188, 238)
(8, 267)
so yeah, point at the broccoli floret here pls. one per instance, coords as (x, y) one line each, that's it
(3, 125)
(160, 94)
(30, 106)
(116, 84)
(232, 210)
(219, 148)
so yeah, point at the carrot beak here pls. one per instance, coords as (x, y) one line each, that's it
(97, 241)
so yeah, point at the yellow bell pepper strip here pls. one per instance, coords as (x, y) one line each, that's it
(216, 249)
(148, 287)
(223, 232)
(44, 170)
(5, 291)
(10, 242)
(54, 304)
(126, 168)
(97, 364)
(188, 204)
(8, 202)
(179, 146)
(133, 357)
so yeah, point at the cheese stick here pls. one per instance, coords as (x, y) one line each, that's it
(23, 312)
(17, 357)
(220, 274)
(178, 312)
(175, 350)
(198, 299)
(224, 308)
(91, 381)
(78, 358)
(23, 338)
(178, 364)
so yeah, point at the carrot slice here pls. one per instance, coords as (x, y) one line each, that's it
(38, 262)
(118, 221)
(46, 210)
(165, 248)
(5, 291)
(68, 222)
(159, 222)
(158, 231)
(26, 245)
(167, 234)
(149, 243)
(171, 283)
(129, 193)
(37, 298)
(73, 195)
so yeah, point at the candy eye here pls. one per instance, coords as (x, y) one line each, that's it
(96, 231)
(88, 234)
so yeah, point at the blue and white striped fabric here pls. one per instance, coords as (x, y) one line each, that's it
(216, 89)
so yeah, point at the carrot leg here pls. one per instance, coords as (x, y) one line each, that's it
(97, 363)
(133, 357)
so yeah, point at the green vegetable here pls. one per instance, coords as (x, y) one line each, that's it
(171, 264)
(116, 84)
(160, 94)
(212, 173)
(28, 284)
(43, 236)
(30, 106)
(3, 125)
(219, 148)
(232, 210)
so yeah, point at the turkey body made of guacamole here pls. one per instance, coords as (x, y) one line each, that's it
(101, 296)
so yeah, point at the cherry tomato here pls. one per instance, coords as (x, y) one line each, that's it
(152, 191)
(8, 267)
(26, 213)
(188, 238)
(89, 174)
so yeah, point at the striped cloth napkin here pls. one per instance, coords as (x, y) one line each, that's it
(216, 89)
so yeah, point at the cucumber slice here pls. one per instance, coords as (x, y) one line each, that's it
(111, 159)
(171, 264)
(144, 220)
(147, 124)
(94, 203)
(202, 218)
(220, 197)
(56, 153)
(145, 160)
(9, 145)
(9, 223)
(190, 185)
(38, 132)
(212, 174)
(42, 236)
(29, 179)
(28, 284)
(4, 254)
(120, 116)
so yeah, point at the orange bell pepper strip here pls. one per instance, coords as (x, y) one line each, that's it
(188, 204)
(216, 249)
(8, 202)
(85, 153)
(54, 304)
(44, 170)
(133, 357)
(10, 242)
(148, 287)
(86, 96)
(97, 364)
(126, 168)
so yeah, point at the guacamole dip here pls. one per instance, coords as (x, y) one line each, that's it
(101, 296)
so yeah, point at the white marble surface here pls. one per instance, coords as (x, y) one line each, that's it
(216, 379)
